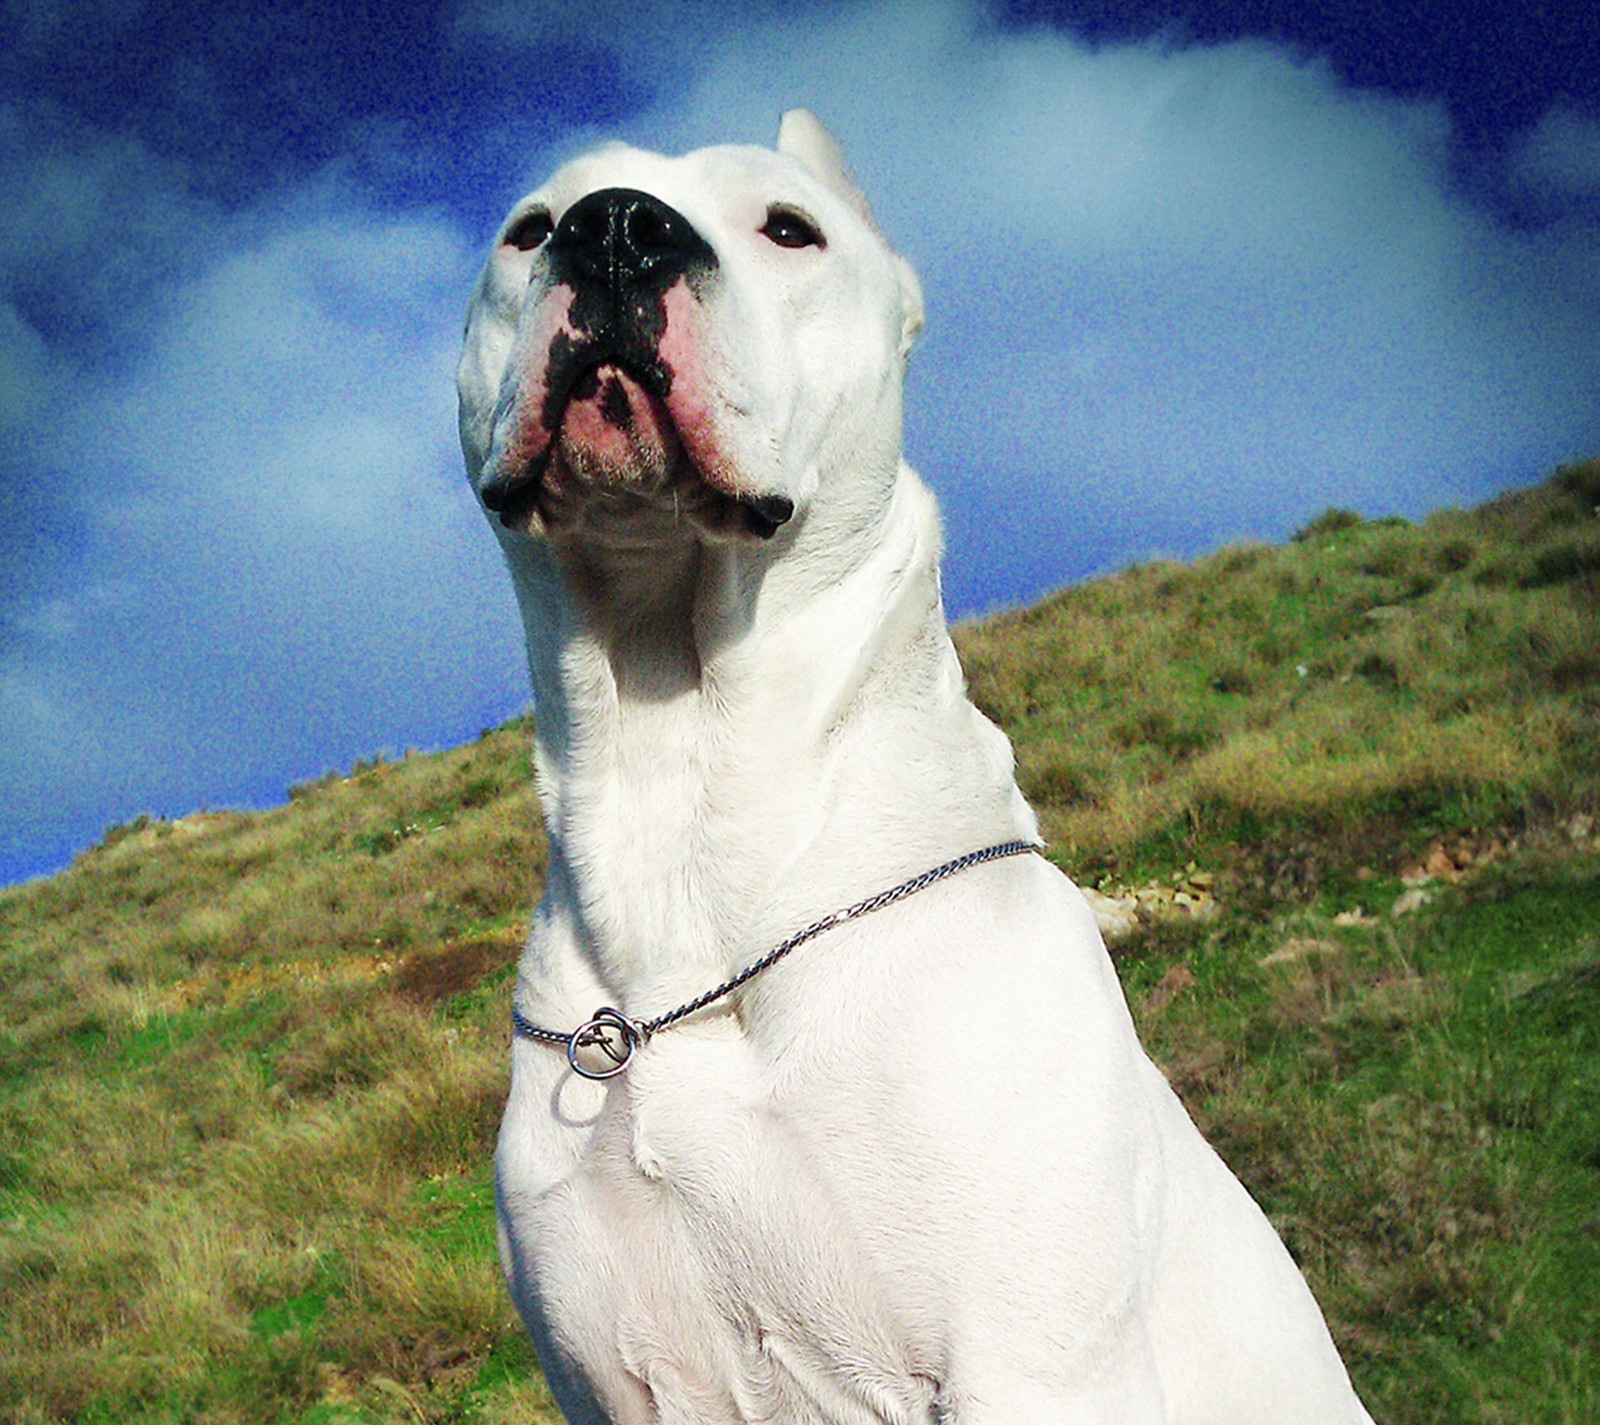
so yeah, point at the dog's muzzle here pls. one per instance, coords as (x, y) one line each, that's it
(618, 251)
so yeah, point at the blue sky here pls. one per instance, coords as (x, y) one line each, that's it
(1193, 271)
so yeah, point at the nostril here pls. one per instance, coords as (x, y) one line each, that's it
(587, 227)
(648, 229)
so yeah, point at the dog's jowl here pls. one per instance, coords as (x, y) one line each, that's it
(774, 1149)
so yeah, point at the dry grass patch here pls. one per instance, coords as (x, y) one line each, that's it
(242, 1047)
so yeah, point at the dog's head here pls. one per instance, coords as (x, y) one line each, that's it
(701, 347)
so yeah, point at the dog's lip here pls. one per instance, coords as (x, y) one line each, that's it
(514, 499)
(514, 496)
(767, 514)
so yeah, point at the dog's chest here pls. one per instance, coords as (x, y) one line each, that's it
(704, 1260)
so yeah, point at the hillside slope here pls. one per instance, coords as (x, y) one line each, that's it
(1367, 684)
(1341, 794)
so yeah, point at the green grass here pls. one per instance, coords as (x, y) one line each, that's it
(251, 1065)
(249, 1083)
(1417, 1105)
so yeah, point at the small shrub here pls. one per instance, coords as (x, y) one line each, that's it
(478, 791)
(1581, 483)
(1056, 780)
(1390, 558)
(1234, 680)
(1501, 570)
(115, 835)
(1375, 668)
(1454, 555)
(1574, 671)
(1563, 563)
(1237, 558)
(1331, 521)
(1171, 735)
(304, 791)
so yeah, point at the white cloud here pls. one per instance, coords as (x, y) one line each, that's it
(93, 222)
(276, 552)
(1176, 294)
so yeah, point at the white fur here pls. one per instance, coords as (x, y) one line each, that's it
(920, 1170)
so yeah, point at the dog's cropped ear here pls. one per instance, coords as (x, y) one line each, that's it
(802, 137)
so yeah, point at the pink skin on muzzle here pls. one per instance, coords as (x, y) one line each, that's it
(607, 430)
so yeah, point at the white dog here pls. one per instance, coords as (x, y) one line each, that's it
(916, 1167)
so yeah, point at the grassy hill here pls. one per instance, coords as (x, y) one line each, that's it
(1342, 794)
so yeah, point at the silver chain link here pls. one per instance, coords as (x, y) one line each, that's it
(616, 1036)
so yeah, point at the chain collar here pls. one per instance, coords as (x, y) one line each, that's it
(613, 1036)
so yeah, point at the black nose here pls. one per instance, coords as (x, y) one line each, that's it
(626, 241)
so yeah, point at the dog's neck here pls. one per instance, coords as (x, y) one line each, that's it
(720, 732)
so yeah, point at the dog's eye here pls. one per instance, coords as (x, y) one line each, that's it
(788, 228)
(529, 231)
